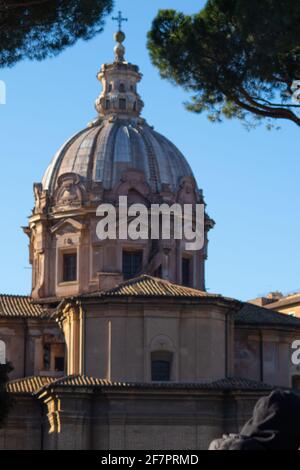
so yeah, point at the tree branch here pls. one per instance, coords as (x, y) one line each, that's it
(267, 112)
(25, 4)
(278, 104)
(277, 113)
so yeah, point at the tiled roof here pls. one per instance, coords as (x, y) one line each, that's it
(148, 286)
(285, 302)
(28, 385)
(232, 383)
(37, 385)
(19, 306)
(254, 315)
(84, 381)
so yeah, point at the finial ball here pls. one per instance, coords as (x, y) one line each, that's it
(120, 37)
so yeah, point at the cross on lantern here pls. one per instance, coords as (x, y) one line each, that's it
(120, 20)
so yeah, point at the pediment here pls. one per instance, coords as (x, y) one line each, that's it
(67, 226)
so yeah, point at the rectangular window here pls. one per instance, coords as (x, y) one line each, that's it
(59, 364)
(107, 105)
(186, 272)
(47, 356)
(69, 267)
(132, 263)
(161, 371)
(161, 365)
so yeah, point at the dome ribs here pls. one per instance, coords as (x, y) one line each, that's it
(152, 163)
(91, 162)
(101, 154)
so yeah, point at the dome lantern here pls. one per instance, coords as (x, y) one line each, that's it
(119, 81)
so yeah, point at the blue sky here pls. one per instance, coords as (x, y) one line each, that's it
(250, 179)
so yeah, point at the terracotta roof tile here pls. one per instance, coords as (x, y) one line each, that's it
(84, 381)
(148, 286)
(37, 385)
(19, 306)
(231, 383)
(28, 385)
(284, 302)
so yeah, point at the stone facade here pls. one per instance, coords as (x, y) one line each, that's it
(116, 339)
(264, 354)
(113, 335)
(32, 342)
(288, 305)
(82, 414)
(119, 345)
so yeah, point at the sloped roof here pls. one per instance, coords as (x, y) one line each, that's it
(28, 385)
(230, 383)
(17, 306)
(251, 314)
(37, 385)
(148, 286)
(83, 381)
(285, 302)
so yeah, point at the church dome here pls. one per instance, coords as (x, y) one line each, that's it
(104, 151)
(117, 155)
(119, 139)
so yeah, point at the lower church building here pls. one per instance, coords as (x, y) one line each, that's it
(120, 346)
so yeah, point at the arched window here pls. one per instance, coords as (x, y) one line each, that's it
(161, 366)
(122, 88)
(2, 352)
(109, 87)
